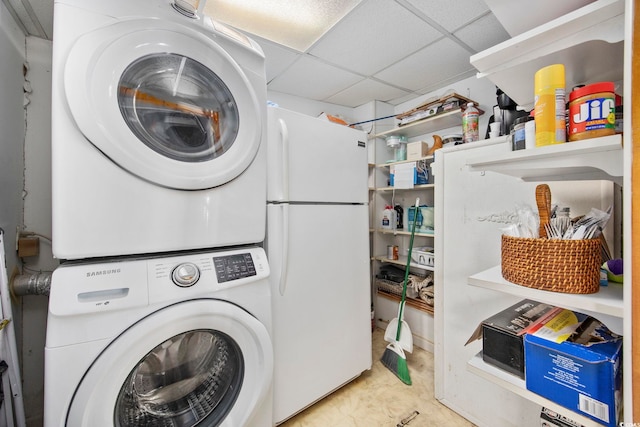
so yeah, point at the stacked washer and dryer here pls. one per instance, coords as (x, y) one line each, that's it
(160, 311)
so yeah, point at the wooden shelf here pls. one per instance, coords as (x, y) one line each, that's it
(440, 121)
(590, 159)
(609, 300)
(411, 302)
(589, 40)
(402, 260)
(518, 386)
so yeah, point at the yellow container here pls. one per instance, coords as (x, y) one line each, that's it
(550, 107)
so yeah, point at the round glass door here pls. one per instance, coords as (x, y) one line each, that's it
(166, 103)
(195, 363)
(178, 107)
(189, 378)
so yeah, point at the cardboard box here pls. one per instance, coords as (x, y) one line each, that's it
(417, 150)
(549, 418)
(575, 361)
(420, 173)
(502, 343)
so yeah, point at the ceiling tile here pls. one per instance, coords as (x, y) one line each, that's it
(450, 15)
(365, 91)
(277, 57)
(434, 64)
(311, 78)
(508, 12)
(373, 35)
(483, 33)
(293, 23)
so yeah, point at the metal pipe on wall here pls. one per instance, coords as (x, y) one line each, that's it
(31, 284)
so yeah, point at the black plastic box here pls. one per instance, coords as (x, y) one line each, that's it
(502, 342)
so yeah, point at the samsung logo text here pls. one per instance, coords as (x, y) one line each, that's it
(103, 272)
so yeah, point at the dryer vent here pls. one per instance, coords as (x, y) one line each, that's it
(31, 284)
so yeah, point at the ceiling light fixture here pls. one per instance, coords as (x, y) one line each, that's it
(297, 24)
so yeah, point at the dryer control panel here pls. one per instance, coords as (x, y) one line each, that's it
(233, 267)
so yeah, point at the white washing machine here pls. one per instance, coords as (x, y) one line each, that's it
(158, 124)
(174, 341)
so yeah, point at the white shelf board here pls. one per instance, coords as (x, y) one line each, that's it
(518, 386)
(589, 159)
(609, 300)
(386, 165)
(427, 125)
(402, 260)
(589, 41)
(415, 187)
(403, 233)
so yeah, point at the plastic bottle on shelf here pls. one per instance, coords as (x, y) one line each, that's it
(388, 218)
(470, 130)
(550, 105)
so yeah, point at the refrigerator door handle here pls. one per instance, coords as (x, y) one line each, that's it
(284, 134)
(284, 266)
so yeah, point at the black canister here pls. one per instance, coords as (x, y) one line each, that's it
(518, 134)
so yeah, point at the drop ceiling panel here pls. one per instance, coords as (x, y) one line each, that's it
(389, 50)
(364, 91)
(451, 15)
(277, 57)
(374, 35)
(431, 65)
(311, 78)
(483, 33)
(510, 12)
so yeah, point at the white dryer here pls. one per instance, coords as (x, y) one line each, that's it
(174, 341)
(158, 124)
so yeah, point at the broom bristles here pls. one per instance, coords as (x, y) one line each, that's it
(394, 359)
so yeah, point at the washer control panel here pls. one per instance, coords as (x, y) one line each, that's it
(185, 274)
(233, 267)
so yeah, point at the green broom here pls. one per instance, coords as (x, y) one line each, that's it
(393, 357)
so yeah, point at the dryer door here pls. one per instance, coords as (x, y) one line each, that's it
(201, 361)
(165, 103)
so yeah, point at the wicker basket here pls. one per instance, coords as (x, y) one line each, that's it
(569, 266)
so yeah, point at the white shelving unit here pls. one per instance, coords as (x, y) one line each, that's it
(427, 125)
(385, 194)
(590, 159)
(590, 42)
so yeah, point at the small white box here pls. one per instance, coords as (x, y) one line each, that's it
(417, 150)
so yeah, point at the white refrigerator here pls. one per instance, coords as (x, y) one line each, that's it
(318, 248)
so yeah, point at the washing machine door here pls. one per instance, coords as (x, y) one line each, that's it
(164, 102)
(202, 362)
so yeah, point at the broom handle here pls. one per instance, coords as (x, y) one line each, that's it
(406, 270)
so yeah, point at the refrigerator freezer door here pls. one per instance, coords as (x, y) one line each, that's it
(312, 160)
(321, 312)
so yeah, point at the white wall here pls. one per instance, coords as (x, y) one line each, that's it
(12, 134)
(37, 218)
(12, 124)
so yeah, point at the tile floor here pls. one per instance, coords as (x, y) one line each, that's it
(379, 399)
